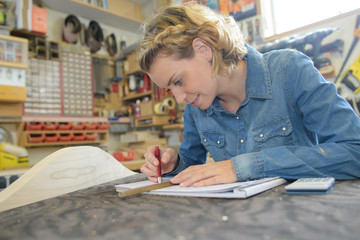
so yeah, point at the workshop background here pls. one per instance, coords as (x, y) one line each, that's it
(69, 77)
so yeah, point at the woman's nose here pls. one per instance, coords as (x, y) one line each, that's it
(179, 95)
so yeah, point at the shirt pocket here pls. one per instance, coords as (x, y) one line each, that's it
(214, 142)
(274, 133)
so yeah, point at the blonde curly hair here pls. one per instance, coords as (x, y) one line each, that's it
(174, 28)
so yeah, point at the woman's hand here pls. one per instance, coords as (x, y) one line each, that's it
(206, 174)
(169, 158)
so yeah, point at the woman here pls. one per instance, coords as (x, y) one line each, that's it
(258, 115)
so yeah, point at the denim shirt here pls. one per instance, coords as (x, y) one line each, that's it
(291, 124)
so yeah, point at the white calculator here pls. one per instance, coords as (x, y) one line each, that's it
(311, 186)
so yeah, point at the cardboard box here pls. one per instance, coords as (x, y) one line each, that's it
(12, 93)
(138, 136)
(126, 8)
(131, 65)
(11, 109)
(39, 20)
(146, 109)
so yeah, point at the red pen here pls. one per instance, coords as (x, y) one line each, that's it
(158, 169)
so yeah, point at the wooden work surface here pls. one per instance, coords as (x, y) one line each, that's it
(98, 213)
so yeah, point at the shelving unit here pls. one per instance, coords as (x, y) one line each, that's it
(124, 19)
(24, 135)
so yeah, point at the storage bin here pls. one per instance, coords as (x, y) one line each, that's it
(78, 125)
(91, 136)
(36, 138)
(91, 125)
(50, 125)
(51, 137)
(66, 137)
(103, 125)
(79, 137)
(34, 126)
(64, 125)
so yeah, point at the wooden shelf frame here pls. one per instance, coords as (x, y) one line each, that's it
(86, 10)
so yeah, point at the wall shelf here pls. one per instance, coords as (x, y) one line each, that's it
(86, 10)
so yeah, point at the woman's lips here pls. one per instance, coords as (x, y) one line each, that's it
(195, 103)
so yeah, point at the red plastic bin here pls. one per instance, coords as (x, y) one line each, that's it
(79, 137)
(36, 138)
(50, 125)
(34, 126)
(78, 125)
(66, 137)
(91, 125)
(51, 137)
(64, 125)
(91, 136)
(103, 125)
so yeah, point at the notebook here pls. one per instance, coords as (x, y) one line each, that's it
(231, 190)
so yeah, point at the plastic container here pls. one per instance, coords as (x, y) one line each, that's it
(34, 126)
(91, 136)
(137, 109)
(91, 125)
(66, 137)
(51, 137)
(103, 125)
(50, 125)
(78, 125)
(79, 137)
(36, 138)
(64, 125)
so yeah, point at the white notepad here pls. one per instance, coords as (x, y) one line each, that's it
(231, 190)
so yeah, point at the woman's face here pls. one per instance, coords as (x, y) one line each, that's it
(189, 79)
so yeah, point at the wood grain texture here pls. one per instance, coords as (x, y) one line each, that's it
(64, 171)
(98, 213)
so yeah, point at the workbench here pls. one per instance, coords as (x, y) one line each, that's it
(98, 213)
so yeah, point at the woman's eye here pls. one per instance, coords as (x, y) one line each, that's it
(178, 82)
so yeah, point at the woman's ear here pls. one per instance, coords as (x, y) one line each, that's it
(201, 48)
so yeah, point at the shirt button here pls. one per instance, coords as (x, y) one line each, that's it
(218, 142)
(261, 135)
(204, 139)
(284, 128)
(237, 118)
(242, 141)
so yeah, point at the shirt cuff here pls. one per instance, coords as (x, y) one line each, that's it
(180, 166)
(248, 166)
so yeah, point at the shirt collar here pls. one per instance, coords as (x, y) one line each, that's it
(258, 82)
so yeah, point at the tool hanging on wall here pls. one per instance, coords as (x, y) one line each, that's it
(94, 36)
(71, 29)
(111, 45)
(353, 44)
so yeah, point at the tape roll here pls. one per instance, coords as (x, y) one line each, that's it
(71, 29)
(169, 103)
(160, 109)
(111, 46)
(94, 36)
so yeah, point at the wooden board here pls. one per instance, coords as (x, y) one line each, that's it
(64, 171)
